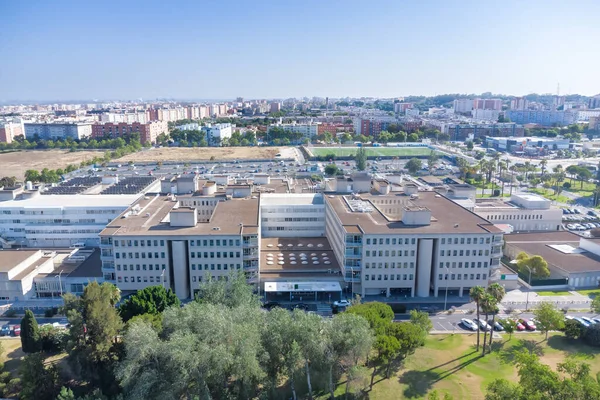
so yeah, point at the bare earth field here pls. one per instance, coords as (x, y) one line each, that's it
(16, 163)
(202, 153)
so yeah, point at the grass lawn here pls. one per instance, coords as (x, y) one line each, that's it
(591, 293)
(553, 293)
(372, 151)
(585, 191)
(450, 364)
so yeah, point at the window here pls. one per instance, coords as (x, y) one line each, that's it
(368, 253)
(443, 240)
(440, 277)
(368, 242)
(162, 242)
(126, 279)
(193, 279)
(162, 254)
(367, 276)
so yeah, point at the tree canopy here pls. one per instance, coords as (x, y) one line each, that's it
(150, 300)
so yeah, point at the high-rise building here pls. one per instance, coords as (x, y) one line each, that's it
(463, 105)
(543, 117)
(519, 103)
(400, 108)
(594, 102)
(148, 132)
(63, 130)
(488, 104)
(10, 130)
(275, 106)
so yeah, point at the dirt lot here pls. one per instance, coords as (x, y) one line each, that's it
(16, 163)
(204, 153)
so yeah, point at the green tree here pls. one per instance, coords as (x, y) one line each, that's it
(477, 293)
(501, 389)
(548, 317)
(38, 381)
(497, 292)
(489, 305)
(591, 335)
(150, 300)
(65, 394)
(331, 169)
(30, 335)
(361, 159)
(421, 319)
(595, 305)
(538, 266)
(510, 326)
(32, 175)
(413, 165)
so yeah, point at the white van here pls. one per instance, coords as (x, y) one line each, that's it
(79, 245)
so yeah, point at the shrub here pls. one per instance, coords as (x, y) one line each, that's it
(50, 312)
(591, 335)
(573, 329)
(496, 192)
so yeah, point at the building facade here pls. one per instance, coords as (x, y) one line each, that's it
(216, 133)
(51, 131)
(543, 117)
(148, 132)
(10, 130)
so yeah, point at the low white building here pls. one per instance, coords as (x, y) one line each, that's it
(216, 133)
(308, 130)
(35, 220)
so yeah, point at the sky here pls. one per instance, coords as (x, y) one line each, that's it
(200, 49)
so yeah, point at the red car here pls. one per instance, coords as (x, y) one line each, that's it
(17, 330)
(529, 325)
(520, 326)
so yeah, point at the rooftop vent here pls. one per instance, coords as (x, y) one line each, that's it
(216, 228)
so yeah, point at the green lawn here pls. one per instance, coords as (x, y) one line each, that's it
(585, 191)
(553, 293)
(450, 364)
(372, 151)
(589, 292)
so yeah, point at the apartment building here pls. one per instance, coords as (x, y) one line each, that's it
(543, 117)
(10, 130)
(63, 130)
(484, 114)
(416, 245)
(400, 108)
(463, 105)
(488, 104)
(148, 131)
(308, 130)
(275, 106)
(216, 133)
(519, 103)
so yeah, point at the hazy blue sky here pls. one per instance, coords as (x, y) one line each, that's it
(268, 49)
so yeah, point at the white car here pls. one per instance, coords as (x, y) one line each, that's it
(469, 324)
(341, 303)
(483, 325)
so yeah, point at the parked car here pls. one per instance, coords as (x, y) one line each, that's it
(17, 330)
(469, 324)
(497, 325)
(588, 320)
(582, 321)
(300, 306)
(483, 325)
(528, 324)
(5, 330)
(520, 326)
(596, 320)
(341, 303)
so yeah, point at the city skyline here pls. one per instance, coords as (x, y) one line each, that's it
(69, 50)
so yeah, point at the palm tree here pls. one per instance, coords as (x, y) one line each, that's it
(476, 293)
(527, 169)
(543, 165)
(512, 169)
(482, 168)
(489, 305)
(497, 291)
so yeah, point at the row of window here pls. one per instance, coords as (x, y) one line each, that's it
(218, 254)
(460, 264)
(293, 219)
(462, 277)
(468, 240)
(215, 242)
(70, 211)
(62, 231)
(151, 267)
(515, 216)
(215, 267)
(465, 253)
(388, 253)
(145, 279)
(390, 265)
(143, 255)
(391, 277)
(48, 221)
(392, 241)
(295, 228)
(140, 243)
(269, 210)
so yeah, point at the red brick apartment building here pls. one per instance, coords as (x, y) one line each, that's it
(148, 132)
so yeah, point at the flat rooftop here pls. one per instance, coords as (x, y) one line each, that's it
(232, 217)
(447, 216)
(297, 255)
(291, 199)
(11, 258)
(76, 200)
(539, 244)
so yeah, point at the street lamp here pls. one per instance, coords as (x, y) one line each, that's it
(529, 289)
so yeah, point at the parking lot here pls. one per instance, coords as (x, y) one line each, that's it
(575, 219)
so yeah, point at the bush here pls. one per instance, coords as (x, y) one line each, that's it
(573, 329)
(52, 340)
(50, 312)
(496, 192)
(591, 335)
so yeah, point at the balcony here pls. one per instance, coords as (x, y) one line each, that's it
(497, 251)
(250, 243)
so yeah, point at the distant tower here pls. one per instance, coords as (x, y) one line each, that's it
(326, 103)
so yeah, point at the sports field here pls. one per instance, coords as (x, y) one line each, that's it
(372, 151)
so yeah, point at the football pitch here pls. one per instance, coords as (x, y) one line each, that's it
(372, 151)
